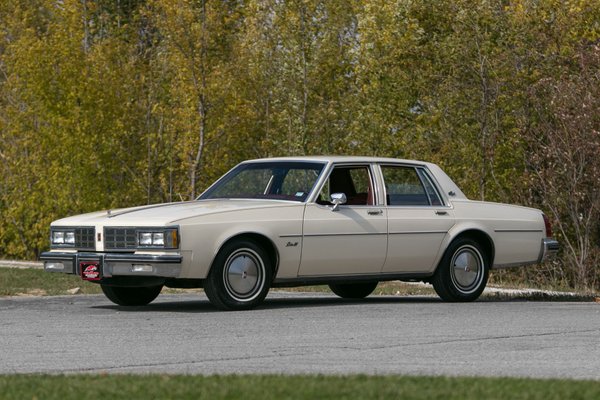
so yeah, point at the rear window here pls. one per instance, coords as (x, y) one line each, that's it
(408, 186)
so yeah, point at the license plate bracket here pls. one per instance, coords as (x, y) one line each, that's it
(90, 270)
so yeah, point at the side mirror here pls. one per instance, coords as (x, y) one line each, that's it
(336, 199)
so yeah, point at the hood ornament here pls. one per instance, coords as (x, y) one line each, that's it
(108, 213)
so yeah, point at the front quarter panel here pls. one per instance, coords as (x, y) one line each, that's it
(202, 237)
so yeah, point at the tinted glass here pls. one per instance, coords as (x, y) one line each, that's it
(434, 197)
(403, 187)
(267, 180)
(355, 182)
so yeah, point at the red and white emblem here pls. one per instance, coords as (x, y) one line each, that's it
(90, 271)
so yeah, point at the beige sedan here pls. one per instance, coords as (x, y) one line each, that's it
(347, 222)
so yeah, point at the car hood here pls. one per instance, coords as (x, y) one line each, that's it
(166, 213)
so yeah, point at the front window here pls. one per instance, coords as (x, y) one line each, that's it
(277, 180)
(354, 181)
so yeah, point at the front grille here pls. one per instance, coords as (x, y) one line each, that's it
(84, 238)
(120, 238)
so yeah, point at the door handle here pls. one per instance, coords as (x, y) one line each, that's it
(375, 212)
(441, 212)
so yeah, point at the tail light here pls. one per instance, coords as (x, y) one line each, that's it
(548, 225)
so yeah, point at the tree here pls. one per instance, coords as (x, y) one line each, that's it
(565, 145)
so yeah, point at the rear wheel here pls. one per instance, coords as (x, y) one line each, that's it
(240, 276)
(463, 271)
(353, 290)
(131, 296)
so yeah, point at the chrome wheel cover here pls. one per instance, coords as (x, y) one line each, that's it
(244, 275)
(467, 269)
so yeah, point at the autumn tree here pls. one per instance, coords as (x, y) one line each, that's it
(565, 162)
(106, 103)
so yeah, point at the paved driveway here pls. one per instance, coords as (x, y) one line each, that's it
(295, 333)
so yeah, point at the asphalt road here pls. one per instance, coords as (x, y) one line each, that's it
(301, 333)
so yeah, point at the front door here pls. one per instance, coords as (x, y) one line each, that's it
(352, 239)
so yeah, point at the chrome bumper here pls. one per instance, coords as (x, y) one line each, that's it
(549, 249)
(114, 264)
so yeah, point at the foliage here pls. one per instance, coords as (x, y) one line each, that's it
(106, 104)
(278, 387)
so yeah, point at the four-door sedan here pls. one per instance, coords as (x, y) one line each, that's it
(348, 222)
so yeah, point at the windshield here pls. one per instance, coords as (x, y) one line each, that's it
(277, 180)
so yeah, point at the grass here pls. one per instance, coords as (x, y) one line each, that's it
(265, 387)
(36, 282)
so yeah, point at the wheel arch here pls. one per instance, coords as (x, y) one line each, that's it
(258, 238)
(444, 280)
(481, 237)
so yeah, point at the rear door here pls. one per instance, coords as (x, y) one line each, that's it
(418, 219)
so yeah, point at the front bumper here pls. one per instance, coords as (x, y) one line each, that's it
(549, 249)
(114, 264)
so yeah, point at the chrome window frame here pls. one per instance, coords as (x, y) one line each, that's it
(373, 176)
(307, 161)
(418, 168)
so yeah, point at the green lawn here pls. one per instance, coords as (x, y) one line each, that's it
(15, 282)
(37, 282)
(265, 387)
(18, 282)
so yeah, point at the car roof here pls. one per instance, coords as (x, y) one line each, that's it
(336, 159)
(444, 180)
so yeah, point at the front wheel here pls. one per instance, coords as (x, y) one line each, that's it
(240, 276)
(353, 290)
(463, 271)
(131, 296)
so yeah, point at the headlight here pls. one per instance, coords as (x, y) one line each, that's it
(70, 238)
(164, 238)
(58, 238)
(62, 237)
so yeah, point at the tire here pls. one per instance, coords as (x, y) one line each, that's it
(240, 276)
(131, 296)
(463, 271)
(353, 290)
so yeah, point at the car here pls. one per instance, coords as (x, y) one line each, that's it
(347, 222)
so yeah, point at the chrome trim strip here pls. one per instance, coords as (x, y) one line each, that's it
(54, 256)
(423, 168)
(326, 279)
(149, 258)
(418, 232)
(332, 165)
(309, 198)
(444, 207)
(549, 248)
(113, 257)
(345, 234)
